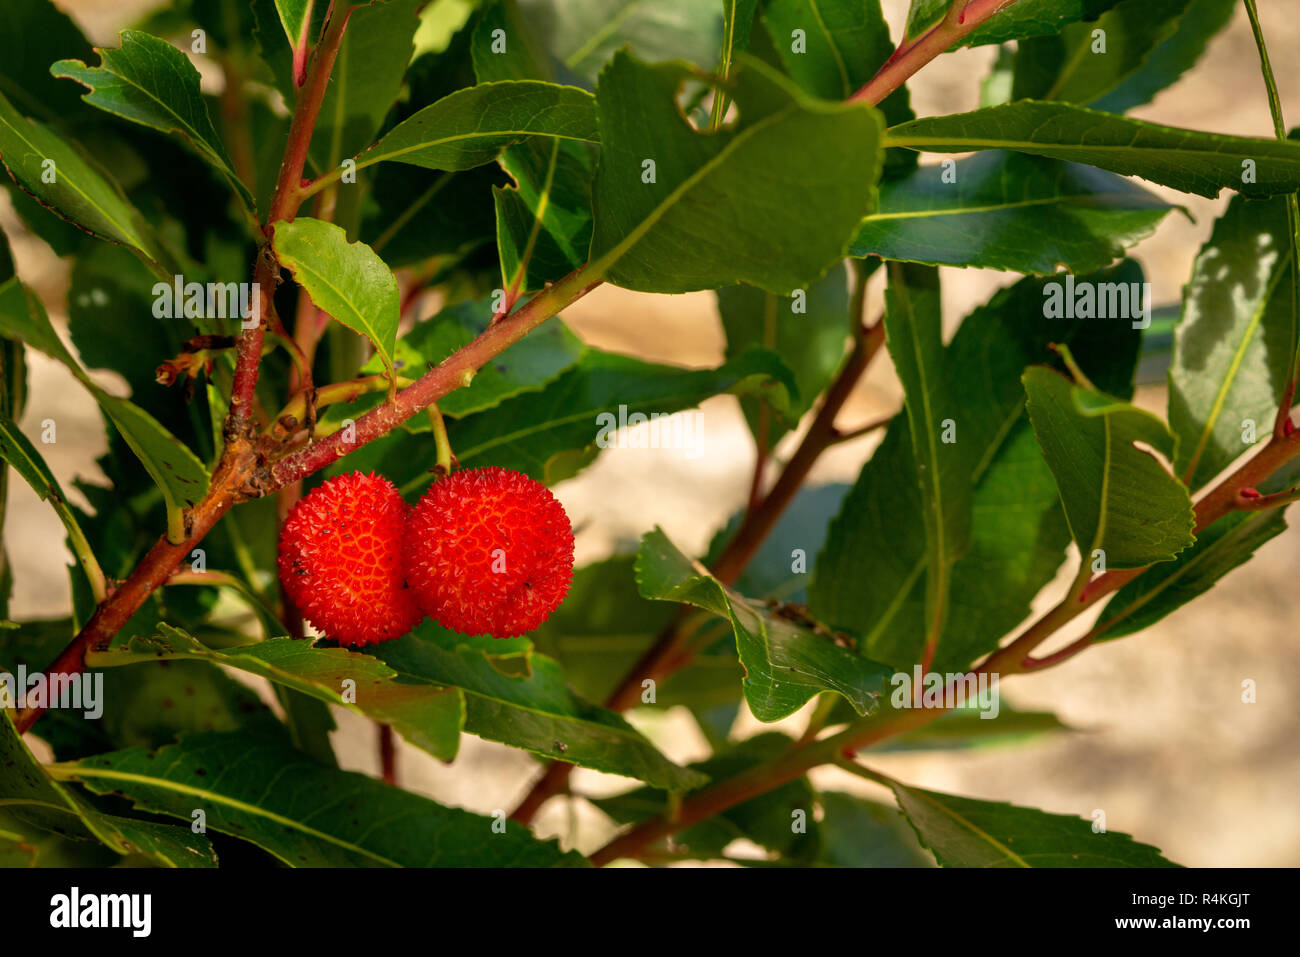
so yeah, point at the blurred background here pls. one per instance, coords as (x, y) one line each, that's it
(1162, 743)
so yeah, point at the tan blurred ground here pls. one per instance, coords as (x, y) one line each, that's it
(1166, 749)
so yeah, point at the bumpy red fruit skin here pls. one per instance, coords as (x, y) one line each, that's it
(341, 560)
(489, 551)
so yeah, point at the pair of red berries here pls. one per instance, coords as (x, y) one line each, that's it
(486, 551)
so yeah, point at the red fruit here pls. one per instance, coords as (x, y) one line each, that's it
(489, 551)
(341, 561)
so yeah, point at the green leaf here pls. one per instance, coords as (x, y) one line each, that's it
(346, 280)
(29, 795)
(416, 214)
(1019, 534)
(366, 79)
(148, 81)
(857, 832)
(28, 463)
(296, 15)
(785, 663)
(844, 43)
(553, 434)
(534, 710)
(80, 191)
(1026, 18)
(33, 34)
(178, 473)
(771, 201)
(305, 814)
(471, 127)
(934, 405)
(1187, 160)
(1232, 345)
(963, 832)
(1171, 58)
(1118, 498)
(526, 366)
(1225, 545)
(1070, 67)
(766, 819)
(582, 37)
(808, 331)
(1002, 210)
(966, 727)
(427, 716)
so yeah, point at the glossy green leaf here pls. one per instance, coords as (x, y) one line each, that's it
(1227, 544)
(472, 126)
(150, 82)
(296, 16)
(29, 795)
(1118, 497)
(346, 280)
(1232, 345)
(771, 201)
(534, 710)
(1187, 160)
(785, 663)
(1080, 66)
(934, 406)
(1002, 210)
(1171, 58)
(1026, 18)
(305, 814)
(1018, 533)
(963, 832)
(809, 330)
(63, 180)
(429, 717)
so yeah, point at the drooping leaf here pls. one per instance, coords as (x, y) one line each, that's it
(148, 81)
(809, 330)
(472, 126)
(785, 663)
(771, 201)
(963, 832)
(535, 710)
(177, 471)
(934, 406)
(28, 794)
(1019, 534)
(305, 814)
(1225, 545)
(1080, 66)
(1171, 58)
(1118, 498)
(1026, 18)
(71, 185)
(429, 717)
(1187, 160)
(1002, 210)
(1232, 345)
(346, 280)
